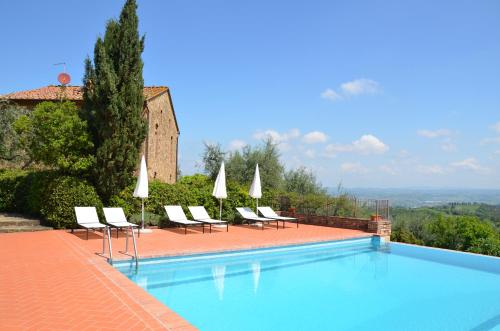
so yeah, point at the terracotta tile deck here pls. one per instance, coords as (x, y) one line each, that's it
(54, 280)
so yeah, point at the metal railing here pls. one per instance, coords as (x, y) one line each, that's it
(345, 206)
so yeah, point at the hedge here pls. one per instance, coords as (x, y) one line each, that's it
(193, 190)
(62, 195)
(45, 194)
(52, 197)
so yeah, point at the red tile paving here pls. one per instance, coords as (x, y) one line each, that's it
(54, 280)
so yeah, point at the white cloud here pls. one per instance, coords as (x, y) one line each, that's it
(353, 88)
(431, 169)
(353, 167)
(366, 144)
(331, 95)
(315, 137)
(277, 137)
(496, 127)
(470, 164)
(369, 144)
(435, 133)
(236, 144)
(360, 86)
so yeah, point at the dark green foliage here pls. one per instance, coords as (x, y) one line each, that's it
(193, 190)
(114, 100)
(11, 150)
(54, 135)
(212, 159)
(31, 193)
(62, 195)
(302, 181)
(10, 180)
(432, 228)
(45, 194)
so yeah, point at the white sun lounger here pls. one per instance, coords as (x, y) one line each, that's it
(116, 218)
(176, 215)
(200, 214)
(250, 216)
(86, 217)
(269, 213)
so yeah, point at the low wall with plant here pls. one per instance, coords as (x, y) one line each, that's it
(378, 226)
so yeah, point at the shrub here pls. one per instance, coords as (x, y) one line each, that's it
(62, 195)
(10, 180)
(193, 190)
(31, 193)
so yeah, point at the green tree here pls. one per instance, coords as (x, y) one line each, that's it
(302, 181)
(11, 149)
(53, 134)
(113, 102)
(212, 157)
(241, 165)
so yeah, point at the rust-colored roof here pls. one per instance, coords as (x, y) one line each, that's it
(54, 92)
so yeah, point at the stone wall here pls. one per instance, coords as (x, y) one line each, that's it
(380, 227)
(162, 139)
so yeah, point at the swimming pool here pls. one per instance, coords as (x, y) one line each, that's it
(360, 284)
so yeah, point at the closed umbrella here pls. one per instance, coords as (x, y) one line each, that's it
(141, 188)
(255, 189)
(220, 191)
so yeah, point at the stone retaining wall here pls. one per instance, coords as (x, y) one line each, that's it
(381, 227)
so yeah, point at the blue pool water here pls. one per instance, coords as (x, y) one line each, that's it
(357, 284)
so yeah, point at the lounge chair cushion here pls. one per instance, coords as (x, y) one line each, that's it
(176, 214)
(200, 214)
(87, 217)
(269, 213)
(116, 217)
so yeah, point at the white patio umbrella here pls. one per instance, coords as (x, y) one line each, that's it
(141, 188)
(255, 189)
(220, 191)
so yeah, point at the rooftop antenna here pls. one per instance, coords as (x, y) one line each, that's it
(63, 78)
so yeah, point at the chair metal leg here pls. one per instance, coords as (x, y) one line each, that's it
(185, 229)
(227, 227)
(87, 234)
(126, 242)
(103, 241)
(110, 246)
(135, 245)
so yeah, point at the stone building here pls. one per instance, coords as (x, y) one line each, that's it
(161, 144)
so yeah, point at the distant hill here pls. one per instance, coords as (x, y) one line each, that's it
(418, 197)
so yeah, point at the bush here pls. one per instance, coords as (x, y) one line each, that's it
(62, 195)
(31, 193)
(10, 180)
(193, 190)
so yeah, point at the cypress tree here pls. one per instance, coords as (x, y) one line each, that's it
(114, 100)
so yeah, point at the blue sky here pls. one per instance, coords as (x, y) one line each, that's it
(367, 93)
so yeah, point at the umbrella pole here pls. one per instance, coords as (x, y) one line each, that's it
(257, 208)
(220, 209)
(142, 217)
